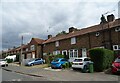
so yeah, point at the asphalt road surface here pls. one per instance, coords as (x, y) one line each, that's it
(13, 76)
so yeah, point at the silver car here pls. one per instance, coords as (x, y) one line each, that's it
(3, 62)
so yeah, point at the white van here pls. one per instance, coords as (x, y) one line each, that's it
(11, 57)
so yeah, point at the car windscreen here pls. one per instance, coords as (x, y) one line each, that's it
(77, 60)
(56, 60)
(117, 60)
(2, 60)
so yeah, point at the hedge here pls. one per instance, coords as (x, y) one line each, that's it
(9, 60)
(102, 58)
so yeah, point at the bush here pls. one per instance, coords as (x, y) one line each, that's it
(17, 57)
(59, 56)
(102, 58)
(9, 60)
(66, 65)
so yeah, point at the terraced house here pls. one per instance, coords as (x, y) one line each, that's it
(76, 43)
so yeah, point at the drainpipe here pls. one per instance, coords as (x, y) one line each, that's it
(110, 41)
(89, 40)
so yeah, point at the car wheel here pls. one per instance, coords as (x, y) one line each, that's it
(42, 63)
(84, 70)
(6, 64)
(32, 64)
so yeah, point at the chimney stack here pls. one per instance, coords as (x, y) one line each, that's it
(72, 29)
(110, 18)
(49, 36)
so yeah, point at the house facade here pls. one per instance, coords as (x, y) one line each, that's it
(76, 43)
(33, 49)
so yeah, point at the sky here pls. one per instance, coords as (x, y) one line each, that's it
(39, 18)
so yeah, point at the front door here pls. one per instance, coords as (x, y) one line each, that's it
(64, 52)
(84, 52)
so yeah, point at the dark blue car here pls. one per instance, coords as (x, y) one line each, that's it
(57, 63)
(35, 62)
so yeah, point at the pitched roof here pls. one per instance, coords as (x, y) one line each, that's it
(90, 29)
(38, 41)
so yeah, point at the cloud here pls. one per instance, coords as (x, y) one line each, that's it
(25, 34)
(39, 18)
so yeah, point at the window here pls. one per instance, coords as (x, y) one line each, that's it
(26, 49)
(115, 47)
(57, 43)
(73, 53)
(56, 52)
(117, 29)
(73, 40)
(97, 34)
(32, 47)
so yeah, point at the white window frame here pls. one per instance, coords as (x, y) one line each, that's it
(97, 34)
(56, 52)
(114, 46)
(32, 47)
(26, 49)
(64, 51)
(72, 53)
(57, 43)
(117, 29)
(73, 40)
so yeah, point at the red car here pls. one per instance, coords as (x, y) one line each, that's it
(116, 66)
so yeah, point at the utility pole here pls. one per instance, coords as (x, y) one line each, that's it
(21, 50)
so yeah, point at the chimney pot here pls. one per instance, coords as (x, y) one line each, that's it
(49, 36)
(110, 18)
(71, 29)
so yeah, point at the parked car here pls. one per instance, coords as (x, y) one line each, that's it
(37, 61)
(81, 63)
(3, 62)
(58, 62)
(116, 66)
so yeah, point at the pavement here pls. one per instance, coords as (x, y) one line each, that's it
(60, 74)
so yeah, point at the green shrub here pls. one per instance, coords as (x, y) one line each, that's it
(66, 65)
(102, 58)
(59, 56)
(9, 60)
(17, 57)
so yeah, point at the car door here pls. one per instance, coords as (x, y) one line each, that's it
(63, 61)
(36, 61)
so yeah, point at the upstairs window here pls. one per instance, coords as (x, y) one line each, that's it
(116, 47)
(117, 29)
(73, 40)
(56, 52)
(26, 49)
(32, 47)
(57, 43)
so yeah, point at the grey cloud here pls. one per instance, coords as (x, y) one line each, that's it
(43, 18)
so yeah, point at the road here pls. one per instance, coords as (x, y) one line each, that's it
(48, 74)
(12, 76)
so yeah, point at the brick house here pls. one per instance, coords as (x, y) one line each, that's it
(33, 49)
(76, 43)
